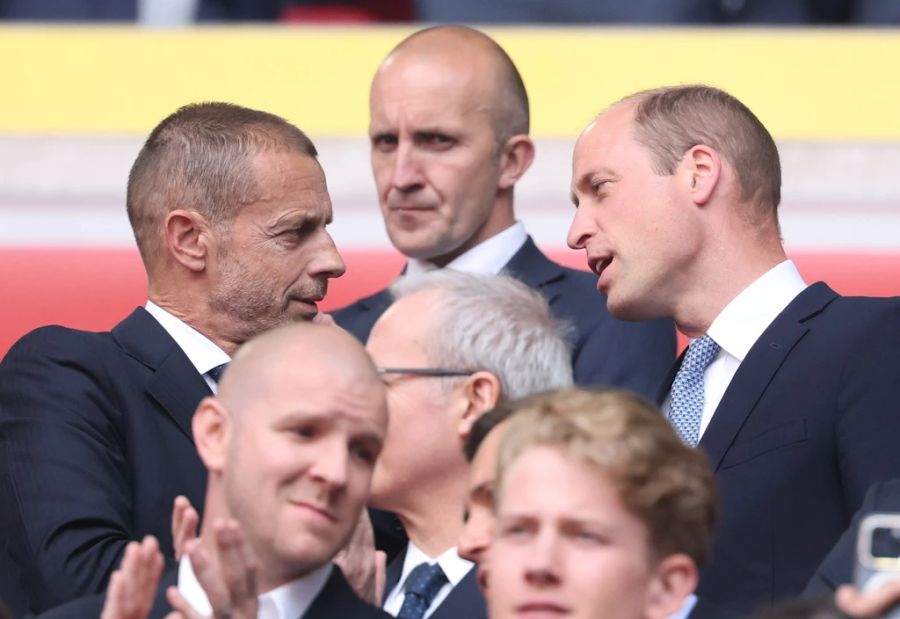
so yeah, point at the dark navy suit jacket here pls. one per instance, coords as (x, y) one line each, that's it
(810, 420)
(837, 568)
(464, 601)
(605, 351)
(95, 443)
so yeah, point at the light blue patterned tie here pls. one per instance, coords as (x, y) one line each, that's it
(686, 401)
(422, 585)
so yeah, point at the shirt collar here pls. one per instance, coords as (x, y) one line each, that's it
(487, 258)
(291, 600)
(200, 350)
(454, 566)
(742, 322)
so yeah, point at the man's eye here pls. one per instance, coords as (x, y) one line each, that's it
(514, 530)
(306, 431)
(437, 140)
(384, 141)
(364, 454)
(598, 186)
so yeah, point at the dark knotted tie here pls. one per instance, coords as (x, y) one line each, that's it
(422, 585)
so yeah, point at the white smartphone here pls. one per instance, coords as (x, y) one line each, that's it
(878, 554)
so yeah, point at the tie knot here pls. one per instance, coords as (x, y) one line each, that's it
(216, 372)
(700, 354)
(426, 580)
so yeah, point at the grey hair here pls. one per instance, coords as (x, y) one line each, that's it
(497, 324)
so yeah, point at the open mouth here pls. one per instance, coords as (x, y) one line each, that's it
(598, 265)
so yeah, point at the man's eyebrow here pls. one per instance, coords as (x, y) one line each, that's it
(299, 217)
(483, 490)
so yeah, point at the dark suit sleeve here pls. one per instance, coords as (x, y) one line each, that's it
(837, 568)
(632, 355)
(65, 494)
(868, 428)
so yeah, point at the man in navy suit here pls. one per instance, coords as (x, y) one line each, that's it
(450, 347)
(290, 446)
(449, 137)
(790, 389)
(229, 208)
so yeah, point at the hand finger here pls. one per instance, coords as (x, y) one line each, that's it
(380, 575)
(870, 603)
(113, 606)
(178, 508)
(184, 524)
(119, 592)
(238, 570)
(209, 577)
(181, 605)
(146, 580)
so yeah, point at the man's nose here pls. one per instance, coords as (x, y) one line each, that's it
(581, 229)
(332, 464)
(407, 169)
(327, 261)
(542, 564)
(475, 538)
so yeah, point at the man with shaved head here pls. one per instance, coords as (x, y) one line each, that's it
(449, 141)
(229, 209)
(290, 445)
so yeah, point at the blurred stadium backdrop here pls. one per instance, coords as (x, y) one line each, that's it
(77, 102)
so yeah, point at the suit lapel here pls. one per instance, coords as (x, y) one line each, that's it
(465, 600)
(759, 367)
(175, 384)
(394, 570)
(533, 268)
(666, 385)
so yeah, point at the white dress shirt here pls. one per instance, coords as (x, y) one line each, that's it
(200, 350)
(740, 324)
(454, 567)
(289, 601)
(686, 607)
(487, 258)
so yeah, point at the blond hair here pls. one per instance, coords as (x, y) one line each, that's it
(667, 485)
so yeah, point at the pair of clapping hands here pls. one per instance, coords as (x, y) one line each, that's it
(226, 569)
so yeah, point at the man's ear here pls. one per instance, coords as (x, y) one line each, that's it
(187, 238)
(516, 158)
(481, 392)
(702, 172)
(212, 428)
(675, 578)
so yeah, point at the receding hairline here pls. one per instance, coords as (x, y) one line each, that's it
(508, 96)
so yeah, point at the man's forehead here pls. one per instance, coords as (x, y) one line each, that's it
(431, 88)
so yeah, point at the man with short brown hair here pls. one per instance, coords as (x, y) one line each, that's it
(790, 389)
(230, 208)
